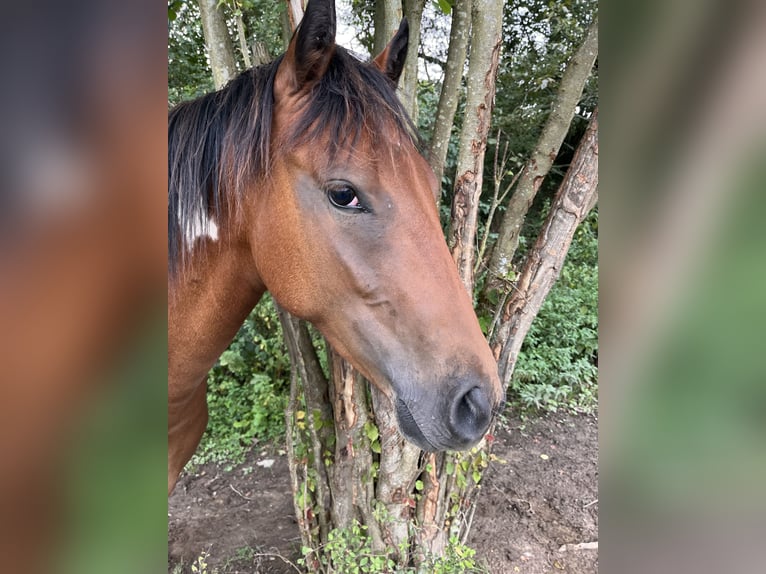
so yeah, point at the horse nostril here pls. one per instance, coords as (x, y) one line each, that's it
(470, 415)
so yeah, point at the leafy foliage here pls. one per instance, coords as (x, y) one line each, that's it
(247, 389)
(539, 38)
(188, 70)
(349, 551)
(263, 22)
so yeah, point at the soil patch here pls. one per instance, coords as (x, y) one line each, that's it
(544, 498)
(538, 511)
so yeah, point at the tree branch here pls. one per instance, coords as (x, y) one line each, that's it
(540, 162)
(574, 199)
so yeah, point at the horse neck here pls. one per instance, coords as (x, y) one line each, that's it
(207, 303)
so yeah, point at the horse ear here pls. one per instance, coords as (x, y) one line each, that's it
(312, 45)
(391, 60)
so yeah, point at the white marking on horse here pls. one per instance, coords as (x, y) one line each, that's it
(200, 230)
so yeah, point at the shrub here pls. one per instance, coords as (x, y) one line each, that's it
(349, 551)
(247, 389)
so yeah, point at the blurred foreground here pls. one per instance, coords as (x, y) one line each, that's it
(82, 287)
(683, 292)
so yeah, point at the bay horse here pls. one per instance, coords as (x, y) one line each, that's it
(303, 177)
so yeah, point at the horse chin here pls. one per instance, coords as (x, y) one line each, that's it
(410, 428)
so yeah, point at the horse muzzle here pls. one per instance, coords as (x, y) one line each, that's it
(455, 420)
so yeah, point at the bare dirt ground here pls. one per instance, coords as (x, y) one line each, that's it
(537, 513)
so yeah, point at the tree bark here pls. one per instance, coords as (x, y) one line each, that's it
(388, 14)
(408, 84)
(486, 40)
(218, 42)
(242, 36)
(450, 92)
(575, 197)
(294, 16)
(540, 162)
(261, 54)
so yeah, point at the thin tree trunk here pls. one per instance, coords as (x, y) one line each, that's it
(242, 36)
(388, 14)
(261, 54)
(575, 197)
(218, 42)
(540, 162)
(486, 41)
(286, 21)
(450, 92)
(447, 495)
(408, 84)
(306, 368)
(397, 472)
(294, 15)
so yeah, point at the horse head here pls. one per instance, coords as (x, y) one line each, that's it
(345, 233)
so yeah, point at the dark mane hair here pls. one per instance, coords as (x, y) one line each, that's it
(220, 142)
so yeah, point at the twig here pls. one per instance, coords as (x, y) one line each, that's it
(590, 503)
(238, 492)
(499, 171)
(275, 555)
(496, 316)
(468, 524)
(580, 546)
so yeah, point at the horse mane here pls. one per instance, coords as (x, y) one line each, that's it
(222, 141)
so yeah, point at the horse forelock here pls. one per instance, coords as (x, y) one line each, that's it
(352, 101)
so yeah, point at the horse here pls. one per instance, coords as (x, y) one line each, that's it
(304, 178)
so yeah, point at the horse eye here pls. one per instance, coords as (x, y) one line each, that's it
(344, 197)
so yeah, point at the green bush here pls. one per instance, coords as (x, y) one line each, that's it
(349, 551)
(557, 366)
(247, 389)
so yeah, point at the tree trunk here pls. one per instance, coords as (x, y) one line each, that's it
(294, 17)
(242, 36)
(575, 197)
(450, 92)
(261, 54)
(540, 162)
(486, 40)
(218, 42)
(388, 14)
(408, 84)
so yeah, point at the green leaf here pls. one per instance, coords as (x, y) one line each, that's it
(372, 432)
(445, 6)
(418, 485)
